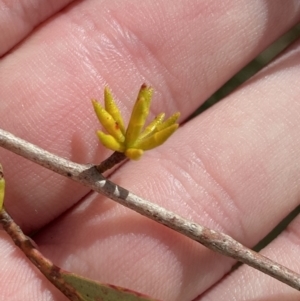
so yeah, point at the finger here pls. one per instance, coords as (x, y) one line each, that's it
(52, 77)
(234, 168)
(179, 290)
(248, 284)
(19, 18)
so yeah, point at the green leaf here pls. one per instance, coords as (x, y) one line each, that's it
(89, 290)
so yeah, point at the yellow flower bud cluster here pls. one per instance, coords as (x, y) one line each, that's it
(135, 139)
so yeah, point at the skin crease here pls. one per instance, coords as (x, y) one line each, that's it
(235, 168)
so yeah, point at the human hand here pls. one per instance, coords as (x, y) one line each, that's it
(234, 168)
